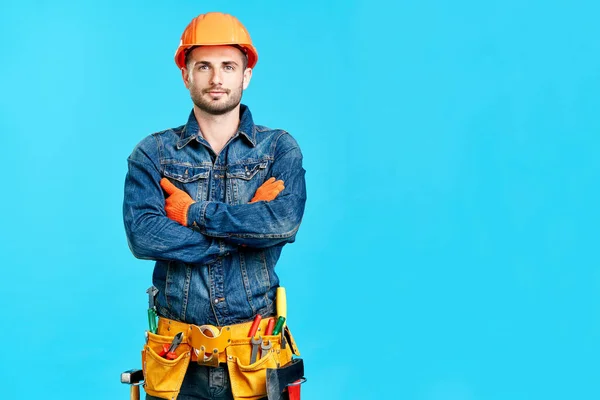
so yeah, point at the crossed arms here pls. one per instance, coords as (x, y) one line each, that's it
(207, 230)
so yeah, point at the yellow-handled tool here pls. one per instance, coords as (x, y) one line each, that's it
(281, 302)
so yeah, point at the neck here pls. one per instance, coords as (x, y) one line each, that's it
(218, 129)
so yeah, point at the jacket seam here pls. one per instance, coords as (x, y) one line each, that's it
(276, 141)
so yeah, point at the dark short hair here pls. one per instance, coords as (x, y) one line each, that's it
(244, 58)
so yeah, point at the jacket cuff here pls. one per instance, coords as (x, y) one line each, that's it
(196, 214)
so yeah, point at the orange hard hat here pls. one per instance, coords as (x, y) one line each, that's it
(212, 29)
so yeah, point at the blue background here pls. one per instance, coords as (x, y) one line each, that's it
(450, 243)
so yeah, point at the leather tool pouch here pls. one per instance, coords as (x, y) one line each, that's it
(162, 377)
(249, 381)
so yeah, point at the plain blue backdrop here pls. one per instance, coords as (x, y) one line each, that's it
(449, 248)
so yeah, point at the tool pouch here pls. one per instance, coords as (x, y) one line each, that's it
(162, 377)
(249, 381)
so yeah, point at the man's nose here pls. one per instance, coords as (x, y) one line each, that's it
(216, 77)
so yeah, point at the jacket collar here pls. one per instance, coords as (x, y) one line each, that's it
(191, 130)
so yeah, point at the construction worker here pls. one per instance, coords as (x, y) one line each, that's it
(213, 202)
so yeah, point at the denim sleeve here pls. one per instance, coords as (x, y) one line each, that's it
(261, 224)
(150, 234)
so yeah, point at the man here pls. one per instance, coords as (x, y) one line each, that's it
(213, 202)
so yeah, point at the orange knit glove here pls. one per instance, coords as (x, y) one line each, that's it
(268, 191)
(177, 203)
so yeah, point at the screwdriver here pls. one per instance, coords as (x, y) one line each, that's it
(270, 326)
(279, 325)
(152, 316)
(254, 326)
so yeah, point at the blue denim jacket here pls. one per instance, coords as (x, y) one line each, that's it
(220, 270)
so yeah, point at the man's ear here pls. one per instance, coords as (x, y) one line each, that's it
(186, 77)
(247, 78)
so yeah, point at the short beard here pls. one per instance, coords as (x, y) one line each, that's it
(234, 99)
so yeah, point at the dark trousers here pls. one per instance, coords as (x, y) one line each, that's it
(204, 383)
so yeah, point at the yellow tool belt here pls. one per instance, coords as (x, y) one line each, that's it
(229, 345)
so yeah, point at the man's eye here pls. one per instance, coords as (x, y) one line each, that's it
(229, 68)
(203, 67)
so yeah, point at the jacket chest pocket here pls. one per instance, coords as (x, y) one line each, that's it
(243, 179)
(192, 179)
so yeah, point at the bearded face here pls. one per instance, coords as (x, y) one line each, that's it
(216, 78)
(216, 99)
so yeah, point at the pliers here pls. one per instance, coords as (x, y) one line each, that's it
(168, 351)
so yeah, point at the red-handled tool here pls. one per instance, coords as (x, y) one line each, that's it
(288, 378)
(294, 389)
(254, 326)
(270, 326)
(168, 351)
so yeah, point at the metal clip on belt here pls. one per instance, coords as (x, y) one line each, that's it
(207, 348)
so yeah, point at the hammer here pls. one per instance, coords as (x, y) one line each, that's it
(135, 378)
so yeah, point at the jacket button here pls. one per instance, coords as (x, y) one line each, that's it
(216, 301)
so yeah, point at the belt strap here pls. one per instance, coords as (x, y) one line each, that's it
(205, 345)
